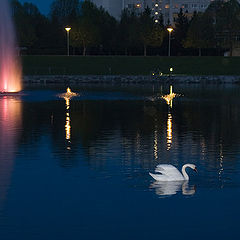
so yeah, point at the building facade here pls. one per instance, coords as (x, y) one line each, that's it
(114, 7)
(168, 8)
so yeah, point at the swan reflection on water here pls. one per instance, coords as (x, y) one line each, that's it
(172, 188)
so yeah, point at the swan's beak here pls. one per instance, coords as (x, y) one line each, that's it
(195, 169)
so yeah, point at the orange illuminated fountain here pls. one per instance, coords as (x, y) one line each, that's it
(68, 94)
(10, 70)
(169, 97)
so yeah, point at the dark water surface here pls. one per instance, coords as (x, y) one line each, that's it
(78, 168)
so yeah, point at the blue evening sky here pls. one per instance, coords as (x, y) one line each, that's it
(43, 5)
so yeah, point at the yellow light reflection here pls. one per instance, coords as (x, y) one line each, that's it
(169, 97)
(67, 97)
(67, 103)
(169, 131)
(68, 119)
(68, 127)
(155, 146)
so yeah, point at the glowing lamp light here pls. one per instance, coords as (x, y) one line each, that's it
(171, 69)
(68, 29)
(170, 29)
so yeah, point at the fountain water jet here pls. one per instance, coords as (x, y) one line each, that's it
(10, 70)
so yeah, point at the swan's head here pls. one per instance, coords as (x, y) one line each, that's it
(192, 166)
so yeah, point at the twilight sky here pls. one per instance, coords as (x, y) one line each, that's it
(43, 5)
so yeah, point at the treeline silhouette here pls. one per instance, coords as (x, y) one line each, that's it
(95, 32)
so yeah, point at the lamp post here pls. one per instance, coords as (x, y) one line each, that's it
(68, 30)
(170, 29)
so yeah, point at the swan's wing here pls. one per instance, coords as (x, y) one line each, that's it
(159, 177)
(169, 170)
(165, 168)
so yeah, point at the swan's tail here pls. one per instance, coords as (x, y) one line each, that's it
(159, 177)
(155, 176)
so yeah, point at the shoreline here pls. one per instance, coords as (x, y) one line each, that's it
(132, 79)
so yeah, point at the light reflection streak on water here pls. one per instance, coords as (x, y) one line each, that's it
(221, 169)
(68, 95)
(10, 123)
(68, 120)
(169, 131)
(155, 147)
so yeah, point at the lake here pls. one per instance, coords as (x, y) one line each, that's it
(78, 168)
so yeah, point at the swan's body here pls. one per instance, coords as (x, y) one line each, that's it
(167, 172)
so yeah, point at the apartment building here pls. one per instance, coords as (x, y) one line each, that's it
(114, 7)
(168, 8)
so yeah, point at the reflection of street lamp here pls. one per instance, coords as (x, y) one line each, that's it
(68, 30)
(170, 29)
(169, 131)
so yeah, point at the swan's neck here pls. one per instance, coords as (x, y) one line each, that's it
(185, 175)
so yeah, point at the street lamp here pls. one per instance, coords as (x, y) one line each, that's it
(68, 30)
(170, 29)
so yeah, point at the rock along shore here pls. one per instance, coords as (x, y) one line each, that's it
(120, 79)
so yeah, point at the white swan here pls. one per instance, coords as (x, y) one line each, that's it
(167, 172)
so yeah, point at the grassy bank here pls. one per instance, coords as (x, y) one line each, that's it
(115, 65)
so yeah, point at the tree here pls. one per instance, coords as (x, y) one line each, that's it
(180, 31)
(84, 34)
(228, 24)
(151, 34)
(108, 30)
(65, 12)
(145, 27)
(200, 33)
(129, 31)
(94, 27)
(23, 16)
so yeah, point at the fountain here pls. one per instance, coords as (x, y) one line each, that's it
(10, 70)
(169, 97)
